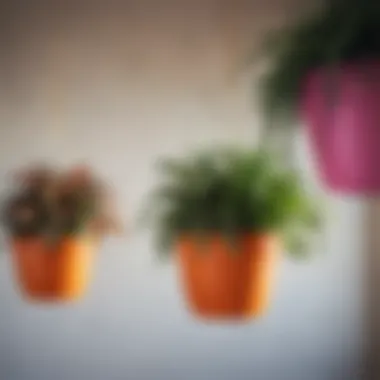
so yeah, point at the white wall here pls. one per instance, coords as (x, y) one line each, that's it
(119, 87)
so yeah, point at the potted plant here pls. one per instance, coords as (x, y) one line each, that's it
(325, 71)
(54, 221)
(227, 213)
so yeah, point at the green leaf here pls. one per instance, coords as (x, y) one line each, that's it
(230, 192)
(341, 32)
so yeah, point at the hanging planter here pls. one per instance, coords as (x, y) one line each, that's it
(228, 214)
(346, 137)
(55, 223)
(59, 271)
(226, 283)
(326, 73)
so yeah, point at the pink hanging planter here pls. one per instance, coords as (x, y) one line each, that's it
(345, 134)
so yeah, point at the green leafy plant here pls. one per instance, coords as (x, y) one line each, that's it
(49, 203)
(232, 192)
(343, 31)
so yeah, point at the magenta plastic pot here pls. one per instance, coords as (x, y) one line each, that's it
(345, 130)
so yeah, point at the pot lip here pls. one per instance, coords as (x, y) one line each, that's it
(39, 238)
(265, 234)
(352, 64)
(24, 239)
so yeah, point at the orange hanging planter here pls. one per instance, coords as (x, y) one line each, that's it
(221, 281)
(59, 272)
(226, 213)
(55, 222)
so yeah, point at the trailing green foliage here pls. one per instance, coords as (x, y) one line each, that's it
(341, 32)
(232, 192)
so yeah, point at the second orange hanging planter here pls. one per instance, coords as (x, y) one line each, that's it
(53, 272)
(225, 282)
(54, 222)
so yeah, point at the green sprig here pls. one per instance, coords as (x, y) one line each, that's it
(230, 192)
(344, 31)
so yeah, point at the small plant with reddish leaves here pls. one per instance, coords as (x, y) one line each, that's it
(51, 203)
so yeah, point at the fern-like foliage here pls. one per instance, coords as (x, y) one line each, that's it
(344, 31)
(232, 192)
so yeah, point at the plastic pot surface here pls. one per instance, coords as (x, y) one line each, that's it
(342, 114)
(56, 272)
(225, 281)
